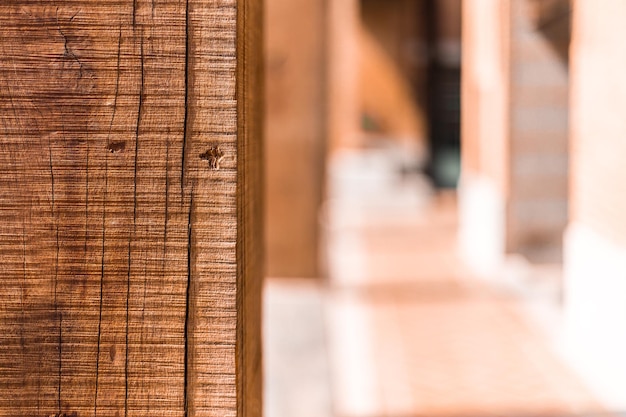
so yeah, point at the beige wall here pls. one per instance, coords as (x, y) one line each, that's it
(295, 134)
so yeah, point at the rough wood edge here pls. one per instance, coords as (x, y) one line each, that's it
(249, 207)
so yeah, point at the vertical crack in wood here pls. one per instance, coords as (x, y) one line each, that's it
(56, 272)
(60, 357)
(186, 116)
(134, 232)
(102, 270)
(186, 396)
(117, 84)
(186, 373)
(23, 288)
(167, 193)
(134, 13)
(104, 206)
(85, 266)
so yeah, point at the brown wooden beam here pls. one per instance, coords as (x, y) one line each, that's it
(129, 208)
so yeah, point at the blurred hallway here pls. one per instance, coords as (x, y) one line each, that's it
(401, 328)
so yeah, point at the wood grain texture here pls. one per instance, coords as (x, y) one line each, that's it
(250, 206)
(129, 212)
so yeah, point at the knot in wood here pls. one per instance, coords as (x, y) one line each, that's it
(115, 147)
(214, 156)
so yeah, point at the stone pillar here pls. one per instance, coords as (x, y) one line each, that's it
(484, 184)
(595, 242)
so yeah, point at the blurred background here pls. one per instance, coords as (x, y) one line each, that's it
(445, 208)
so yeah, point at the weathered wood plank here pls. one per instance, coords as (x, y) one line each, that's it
(129, 232)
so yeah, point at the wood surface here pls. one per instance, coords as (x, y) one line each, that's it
(129, 185)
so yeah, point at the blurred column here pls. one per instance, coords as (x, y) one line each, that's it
(295, 134)
(595, 242)
(513, 195)
(343, 74)
(483, 187)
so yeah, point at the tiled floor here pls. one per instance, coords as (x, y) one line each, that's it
(403, 329)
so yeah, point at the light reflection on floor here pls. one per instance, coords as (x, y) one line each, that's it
(400, 328)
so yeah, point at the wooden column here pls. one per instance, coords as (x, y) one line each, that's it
(296, 134)
(343, 69)
(129, 212)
